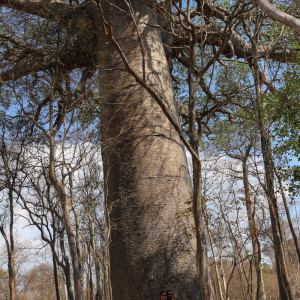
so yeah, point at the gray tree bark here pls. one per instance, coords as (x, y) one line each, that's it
(145, 167)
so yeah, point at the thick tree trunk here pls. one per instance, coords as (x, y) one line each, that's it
(145, 167)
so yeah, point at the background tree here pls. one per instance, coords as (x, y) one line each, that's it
(12, 156)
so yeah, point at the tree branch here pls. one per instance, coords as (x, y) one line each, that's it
(213, 35)
(28, 60)
(55, 10)
(278, 15)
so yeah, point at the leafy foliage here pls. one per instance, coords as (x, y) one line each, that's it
(284, 108)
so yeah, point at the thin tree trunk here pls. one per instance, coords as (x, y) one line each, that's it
(55, 275)
(11, 268)
(260, 292)
(95, 257)
(77, 235)
(238, 258)
(9, 240)
(215, 264)
(287, 211)
(91, 285)
(107, 292)
(52, 245)
(206, 290)
(68, 225)
(89, 277)
(88, 282)
(66, 269)
(89, 211)
(242, 281)
(283, 280)
(223, 276)
(222, 271)
(11, 258)
(60, 191)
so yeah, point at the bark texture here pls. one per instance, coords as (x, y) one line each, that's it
(145, 167)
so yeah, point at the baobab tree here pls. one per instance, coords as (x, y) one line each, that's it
(145, 168)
